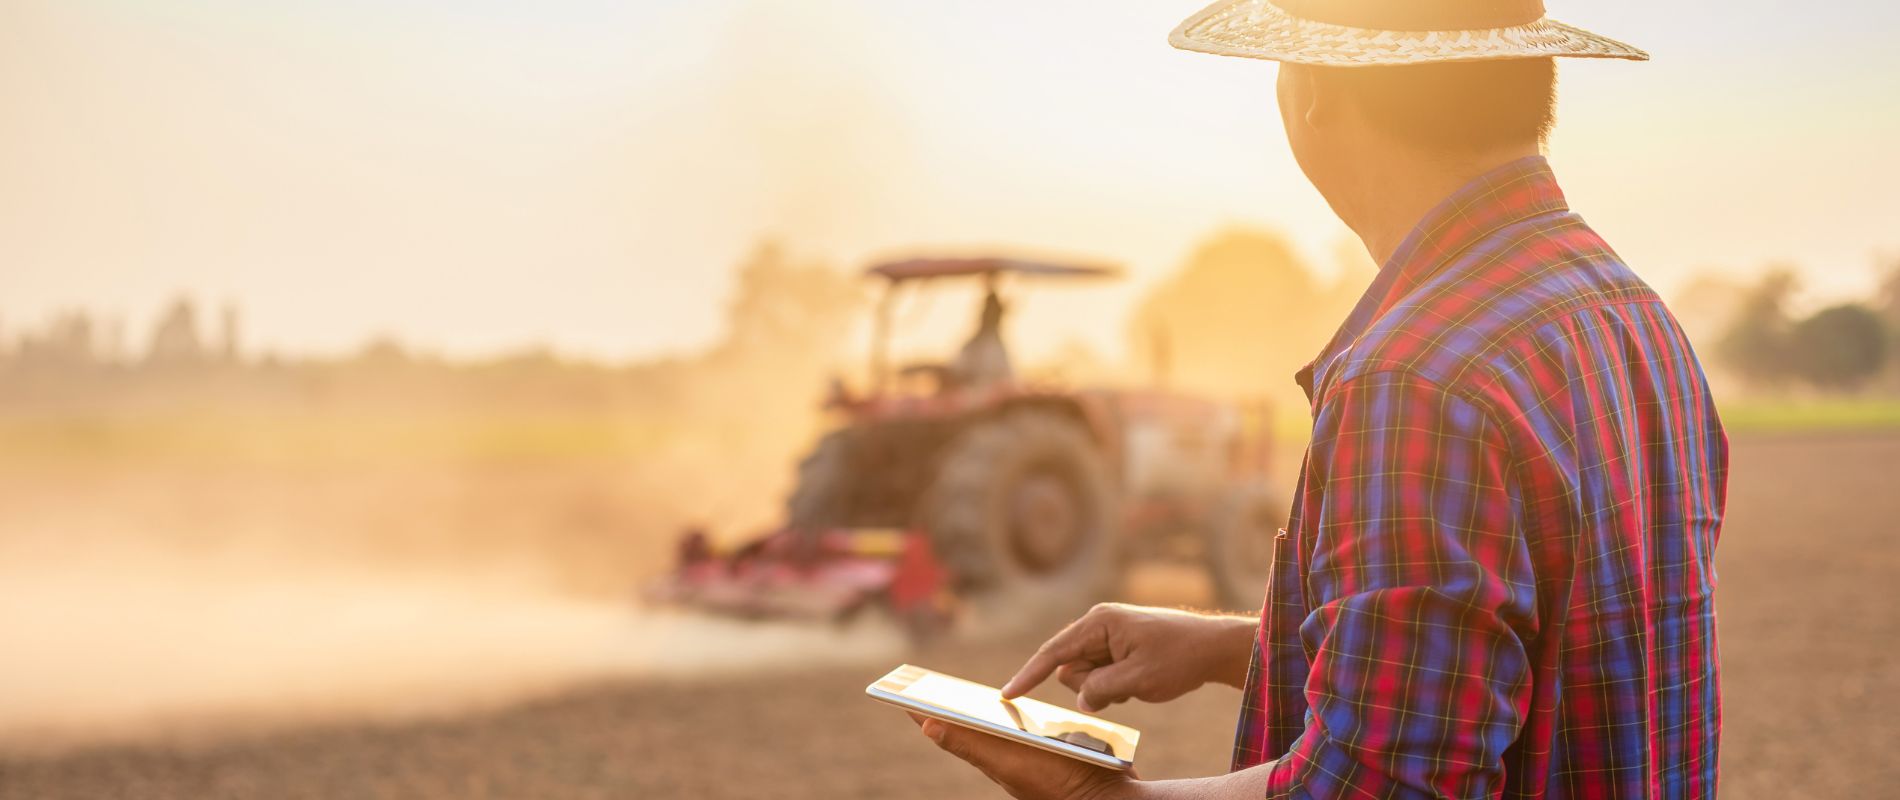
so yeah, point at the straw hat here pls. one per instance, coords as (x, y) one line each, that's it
(1364, 33)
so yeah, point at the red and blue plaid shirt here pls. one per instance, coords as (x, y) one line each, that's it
(1498, 577)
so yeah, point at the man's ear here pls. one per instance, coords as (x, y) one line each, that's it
(1298, 96)
(1318, 107)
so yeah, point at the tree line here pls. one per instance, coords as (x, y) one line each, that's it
(1841, 348)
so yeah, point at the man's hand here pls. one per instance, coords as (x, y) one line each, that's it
(1116, 652)
(1026, 772)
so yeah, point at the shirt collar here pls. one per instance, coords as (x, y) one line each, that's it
(1506, 195)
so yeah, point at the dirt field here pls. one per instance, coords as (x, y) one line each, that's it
(1810, 626)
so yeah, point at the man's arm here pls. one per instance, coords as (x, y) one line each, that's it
(1234, 648)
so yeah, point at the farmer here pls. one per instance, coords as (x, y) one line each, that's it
(1497, 579)
(984, 360)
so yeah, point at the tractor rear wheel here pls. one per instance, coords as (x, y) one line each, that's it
(1023, 513)
(1240, 546)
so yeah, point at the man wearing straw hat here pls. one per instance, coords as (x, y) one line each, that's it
(1497, 577)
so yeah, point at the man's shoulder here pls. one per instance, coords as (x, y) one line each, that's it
(1492, 305)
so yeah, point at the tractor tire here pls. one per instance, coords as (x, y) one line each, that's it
(817, 502)
(1240, 546)
(1023, 514)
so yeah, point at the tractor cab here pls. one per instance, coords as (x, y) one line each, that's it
(983, 366)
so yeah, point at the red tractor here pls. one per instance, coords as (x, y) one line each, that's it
(962, 483)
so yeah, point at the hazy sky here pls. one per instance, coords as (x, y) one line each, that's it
(476, 174)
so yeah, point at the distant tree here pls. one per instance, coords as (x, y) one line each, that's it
(228, 346)
(175, 338)
(1755, 345)
(1839, 348)
(1887, 304)
(1355, 271)
(69, 341)
(1238, 317)
(383, 352)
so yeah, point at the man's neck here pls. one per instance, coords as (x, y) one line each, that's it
(1393, 194)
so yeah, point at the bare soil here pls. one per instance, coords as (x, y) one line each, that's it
(1810, 587)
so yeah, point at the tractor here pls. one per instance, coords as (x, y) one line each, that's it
(959, 484)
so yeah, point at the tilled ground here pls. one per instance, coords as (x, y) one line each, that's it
(1810, 571)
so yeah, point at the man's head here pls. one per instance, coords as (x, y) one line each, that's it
(1391, 105)
(1347, 123)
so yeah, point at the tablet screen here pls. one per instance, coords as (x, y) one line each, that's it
(1024, 714)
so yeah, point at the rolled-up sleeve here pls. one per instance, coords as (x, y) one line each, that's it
(1422, 598)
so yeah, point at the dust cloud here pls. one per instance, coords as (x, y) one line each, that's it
(143, 645)
(196, 542)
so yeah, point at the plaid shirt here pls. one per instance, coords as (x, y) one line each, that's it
(1498, 577)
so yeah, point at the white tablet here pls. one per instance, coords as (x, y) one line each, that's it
(1032, 722)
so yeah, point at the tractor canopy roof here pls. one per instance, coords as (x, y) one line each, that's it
(921, 268)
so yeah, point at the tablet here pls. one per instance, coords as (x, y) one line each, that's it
(1032, 722)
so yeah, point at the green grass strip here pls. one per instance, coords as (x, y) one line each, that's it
(1812, 415)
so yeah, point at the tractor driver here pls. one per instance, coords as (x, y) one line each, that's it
(984, 361)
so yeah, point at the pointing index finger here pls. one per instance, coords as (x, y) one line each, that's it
(1071, 644)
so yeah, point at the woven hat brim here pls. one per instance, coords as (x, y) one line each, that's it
(1260, 29)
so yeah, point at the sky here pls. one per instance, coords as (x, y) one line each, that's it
(474, 176)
